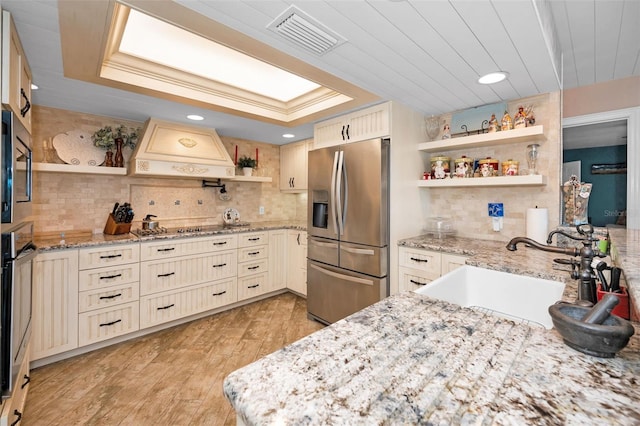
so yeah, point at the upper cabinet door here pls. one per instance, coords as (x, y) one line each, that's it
(16, 74)
(293, 166)
(368, 123)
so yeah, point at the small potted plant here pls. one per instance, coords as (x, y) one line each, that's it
(107, 138)
(247, 164)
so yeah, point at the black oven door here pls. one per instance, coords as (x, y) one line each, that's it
(16, 317)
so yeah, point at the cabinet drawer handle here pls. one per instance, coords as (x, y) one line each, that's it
(419, 260)
(108, 277)
(27, 379)
(166, 307)
(417, 282)
(253, 286)
(343, 129)
(113, 296)
(298, 238)
(110, 256)
(166, 275)
(220, 265)
(253, 267)
(253, 253)
(347, 132)
(254, 239)
(18, 415)
(167, 249)
(220, 244)
(106, 324)
(219, 294)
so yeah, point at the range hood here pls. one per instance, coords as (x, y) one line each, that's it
(176, 150)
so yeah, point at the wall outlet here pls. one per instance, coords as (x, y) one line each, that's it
(261, 210)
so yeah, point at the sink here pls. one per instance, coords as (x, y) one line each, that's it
(507, 295)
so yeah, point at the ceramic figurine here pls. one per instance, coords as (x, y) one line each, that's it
(493, 124)
(520, 119)
(507, 124)
(446, 132)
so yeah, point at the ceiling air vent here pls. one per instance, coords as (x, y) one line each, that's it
(301, 29)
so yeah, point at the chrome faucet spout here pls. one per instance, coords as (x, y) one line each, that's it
(512, 246)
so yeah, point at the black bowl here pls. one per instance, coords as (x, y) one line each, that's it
(601, 340)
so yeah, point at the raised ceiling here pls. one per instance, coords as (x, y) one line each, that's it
(425, 54)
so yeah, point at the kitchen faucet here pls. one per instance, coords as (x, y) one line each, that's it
(586, 275)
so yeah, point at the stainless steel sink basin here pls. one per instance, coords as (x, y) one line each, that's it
(507, 295)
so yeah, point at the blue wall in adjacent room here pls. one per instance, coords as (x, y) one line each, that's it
(609, 192)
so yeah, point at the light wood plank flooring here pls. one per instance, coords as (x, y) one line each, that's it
(172, 377)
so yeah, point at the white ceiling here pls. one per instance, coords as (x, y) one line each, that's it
(425, 54)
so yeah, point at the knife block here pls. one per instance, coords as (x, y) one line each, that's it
(114, 228)
(622, 308)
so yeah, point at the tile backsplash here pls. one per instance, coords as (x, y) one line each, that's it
(66, 202)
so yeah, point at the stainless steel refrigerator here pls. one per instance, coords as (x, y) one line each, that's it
(348, 228)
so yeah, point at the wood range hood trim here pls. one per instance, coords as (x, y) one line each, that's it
(176, 150)
(89, 37)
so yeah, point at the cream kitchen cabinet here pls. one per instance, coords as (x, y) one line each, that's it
(278, 259)
(297, 261)
(418, 267)
(13, 407)
(16, 74)
(183, 277)
(253, 261)
(361, 125)
(55, 303)
(293, 166)
(109, 287)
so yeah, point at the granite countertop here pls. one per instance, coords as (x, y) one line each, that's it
(410, 359)
(89, 240)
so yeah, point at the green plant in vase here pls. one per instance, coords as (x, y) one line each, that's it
(247, 164)
(110, 138)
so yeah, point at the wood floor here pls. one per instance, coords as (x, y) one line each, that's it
(172, 377)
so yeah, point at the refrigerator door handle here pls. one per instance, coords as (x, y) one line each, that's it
(332, 201)
(369, 252)
(350, 278)
(339, 171)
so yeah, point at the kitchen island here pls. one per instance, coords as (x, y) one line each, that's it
(410, 359)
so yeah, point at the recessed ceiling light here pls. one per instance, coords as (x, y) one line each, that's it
(288, 135)
(195, 117)
(34, 86)
(493, 77)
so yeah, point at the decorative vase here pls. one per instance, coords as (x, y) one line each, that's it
(119, 159)
(108, 161)
(247, 171)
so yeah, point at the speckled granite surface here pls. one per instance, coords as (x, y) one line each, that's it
(48, 244)
(410, 359)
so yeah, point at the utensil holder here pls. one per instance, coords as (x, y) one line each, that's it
(622, 308)
(114, 228)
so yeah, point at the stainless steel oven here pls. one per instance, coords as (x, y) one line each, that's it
(16, 158)
(18, 253)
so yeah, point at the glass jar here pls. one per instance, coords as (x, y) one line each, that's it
(440, 167)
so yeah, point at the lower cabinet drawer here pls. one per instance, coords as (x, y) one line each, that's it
(102, 324)
(252, 268)
(412, 279)
(253, 285)
(427, 261)
(14, 407)
(168, 306)
(108, 296)
(109, 276)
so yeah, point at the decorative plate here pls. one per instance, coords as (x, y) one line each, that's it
(76, 147)
(230, 216)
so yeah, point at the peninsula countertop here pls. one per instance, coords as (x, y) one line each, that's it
(410, 359)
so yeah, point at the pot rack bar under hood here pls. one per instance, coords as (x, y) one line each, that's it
(169, 149)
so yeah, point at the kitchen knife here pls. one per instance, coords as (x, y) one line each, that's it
(615, 280)
(115, 208)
